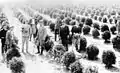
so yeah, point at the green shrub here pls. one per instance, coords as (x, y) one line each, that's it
(108, 58)
(91, 69)
(17, 65)
(89, 21)
(104, 27)
(12, 52)
(106, 36)
(116, 43)
(92, 52)
(76, 67)
(95, 33)
(86, 29)
(83, 42)
(96, 25)
(68, 59)
(113, 29)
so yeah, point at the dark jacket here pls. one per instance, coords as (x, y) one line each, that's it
(64, 31)
(3, 34)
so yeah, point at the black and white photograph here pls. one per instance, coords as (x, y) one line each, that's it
(59, 36)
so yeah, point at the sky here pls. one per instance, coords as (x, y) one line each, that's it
(56, 2)
(11, 1)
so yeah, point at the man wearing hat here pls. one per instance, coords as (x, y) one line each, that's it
(33, 29)
(64, 33)
(25, 36)
(3, 32)
(9, 37)
(41, 35)
(57, 27)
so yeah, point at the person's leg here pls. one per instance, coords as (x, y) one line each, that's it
(55, 35)
(42, 48)
(2, 42)
(30, 37)
(23, 42)
(38, 47)
(63, 42)
(34, 36)
(76, 45)
(27, 44)
(2, 51)
(38, 50)
(66, 44)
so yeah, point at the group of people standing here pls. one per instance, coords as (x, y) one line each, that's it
(30, 30)
(7, 37)
(38, 32)
(62, 29)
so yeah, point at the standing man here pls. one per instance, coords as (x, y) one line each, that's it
(25, 36)
(57, 27)
(41, 35)
(3, 32)
(64, 34)
(10, 37)
(33, 28)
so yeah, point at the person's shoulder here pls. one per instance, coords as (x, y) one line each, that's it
(1, 30)
(8, 32)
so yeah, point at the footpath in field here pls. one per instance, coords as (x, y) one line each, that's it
(35, 64)
(40, 64)
(102, 47)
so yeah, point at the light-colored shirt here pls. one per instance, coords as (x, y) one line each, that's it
(25, 30)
